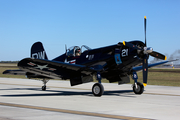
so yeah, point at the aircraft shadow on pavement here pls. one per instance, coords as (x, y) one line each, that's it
(67, 93)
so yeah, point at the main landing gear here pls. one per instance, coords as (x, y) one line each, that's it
(138, 87)
(44, 86)
(98, 88)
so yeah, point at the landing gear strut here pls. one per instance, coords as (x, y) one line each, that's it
(44, 86)
(138, 87)
(98, 88)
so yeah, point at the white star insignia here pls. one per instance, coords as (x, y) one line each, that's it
(41, 67)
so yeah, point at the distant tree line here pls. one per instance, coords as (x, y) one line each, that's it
(9, 61)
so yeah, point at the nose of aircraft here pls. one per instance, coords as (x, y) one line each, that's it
(148, 50)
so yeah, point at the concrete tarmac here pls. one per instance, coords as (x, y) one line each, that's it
(23, 99)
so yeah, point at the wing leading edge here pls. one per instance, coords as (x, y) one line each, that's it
(77, 74)
(149, 65)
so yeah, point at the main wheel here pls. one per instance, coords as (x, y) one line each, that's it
(139, 89)
(97, 89)
(44, 88)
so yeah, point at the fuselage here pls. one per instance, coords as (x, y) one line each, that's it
(111, 60)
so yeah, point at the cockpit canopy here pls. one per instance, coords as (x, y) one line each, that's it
(76, 50)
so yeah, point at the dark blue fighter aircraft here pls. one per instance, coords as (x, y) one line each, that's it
(116, 63)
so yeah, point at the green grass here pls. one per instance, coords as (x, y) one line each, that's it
(163, 77)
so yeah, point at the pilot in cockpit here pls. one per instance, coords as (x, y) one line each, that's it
(78, 52)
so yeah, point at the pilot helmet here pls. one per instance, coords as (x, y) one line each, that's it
(78, 51)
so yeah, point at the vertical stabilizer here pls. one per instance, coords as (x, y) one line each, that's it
(37, 51)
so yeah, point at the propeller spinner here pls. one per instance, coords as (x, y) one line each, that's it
(146, 51)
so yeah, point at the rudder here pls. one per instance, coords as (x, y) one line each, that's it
(37, 51)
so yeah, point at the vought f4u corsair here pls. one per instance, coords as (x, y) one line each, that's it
(79, 64)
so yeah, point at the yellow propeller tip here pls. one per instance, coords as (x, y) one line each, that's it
(165, 58)
(124, 43)
(144, 84)
(144, 17)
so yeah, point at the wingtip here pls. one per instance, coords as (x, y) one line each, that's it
(144, 17)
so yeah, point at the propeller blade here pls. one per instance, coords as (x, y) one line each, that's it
(128, 44)
(66, 49)
(145, 70)
(145, 28)
(158, 55)
(145, 60)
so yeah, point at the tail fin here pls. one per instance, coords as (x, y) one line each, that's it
(37, 51)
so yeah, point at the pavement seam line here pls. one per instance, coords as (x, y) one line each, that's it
(73, 112)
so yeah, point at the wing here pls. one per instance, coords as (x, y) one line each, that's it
(149, 65)
(77, 74)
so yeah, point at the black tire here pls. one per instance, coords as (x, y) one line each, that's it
(98, 89)
(140, 88)
(43, 88)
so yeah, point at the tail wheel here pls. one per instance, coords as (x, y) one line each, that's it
(44, 82)
(97, 89)
(139, 89)
(44, 88)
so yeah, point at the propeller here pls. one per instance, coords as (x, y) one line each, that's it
(146, 52)
(145, 59)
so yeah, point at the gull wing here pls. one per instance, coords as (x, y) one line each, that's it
(77, 74)
(149, 65)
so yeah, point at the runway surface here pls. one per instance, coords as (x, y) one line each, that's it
(23, 99)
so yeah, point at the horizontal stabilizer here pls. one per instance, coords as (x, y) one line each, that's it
(15, 72)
